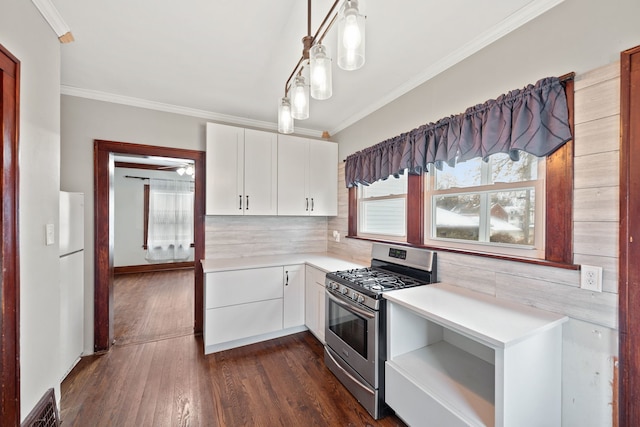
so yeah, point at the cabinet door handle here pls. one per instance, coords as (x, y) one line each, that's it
(307, 208)
(240, 205)
(312, 204)
(247, 208)
(287, 281)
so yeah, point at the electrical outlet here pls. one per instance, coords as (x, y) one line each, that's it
(591, 278)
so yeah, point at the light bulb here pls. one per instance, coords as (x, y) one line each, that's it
(300, 99)
(189, 170)
(320, 65)
(351, 37)
(181, 171)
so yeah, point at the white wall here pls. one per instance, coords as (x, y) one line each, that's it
(83, 121)
(27, 36)
(128, 210)
(577, 35)
(581, 36)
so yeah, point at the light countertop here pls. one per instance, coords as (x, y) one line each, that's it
(323, 261)
(494, 321)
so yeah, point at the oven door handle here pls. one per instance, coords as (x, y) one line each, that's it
(344, 371)
(350, 307)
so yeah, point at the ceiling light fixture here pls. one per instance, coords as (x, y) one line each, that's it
(315, 56)
(189, 170)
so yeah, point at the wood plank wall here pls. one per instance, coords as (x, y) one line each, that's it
(595, 224)
(595, 220)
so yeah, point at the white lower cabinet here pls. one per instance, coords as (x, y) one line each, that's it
(461, 358)
(315, 301)
(293, 295)
(252, 305)
(226, 324)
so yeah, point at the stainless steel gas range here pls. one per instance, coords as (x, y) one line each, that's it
(355, 325)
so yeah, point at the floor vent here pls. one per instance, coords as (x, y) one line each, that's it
(45, 413)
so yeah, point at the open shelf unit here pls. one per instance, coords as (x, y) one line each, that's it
(460, 358)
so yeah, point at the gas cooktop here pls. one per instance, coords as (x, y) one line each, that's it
(374, 279)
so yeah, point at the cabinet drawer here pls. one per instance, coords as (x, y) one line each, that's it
(227, 288)
(242, 321)
(415, 405)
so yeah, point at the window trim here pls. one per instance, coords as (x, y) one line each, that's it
(558, 206)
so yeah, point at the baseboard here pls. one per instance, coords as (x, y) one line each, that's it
(146, 268)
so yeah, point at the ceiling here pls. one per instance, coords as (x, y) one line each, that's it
(228, 60)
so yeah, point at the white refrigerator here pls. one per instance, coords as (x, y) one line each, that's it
(71, 242)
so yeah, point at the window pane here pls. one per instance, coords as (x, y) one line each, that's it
(383, 217)
(503, 169)
(465, 174)
(512, 217)
(458, 216)
(387, 187)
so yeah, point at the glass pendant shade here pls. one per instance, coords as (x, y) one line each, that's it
(351, 37)
(300, 99)
(285, 121)
(320, 72)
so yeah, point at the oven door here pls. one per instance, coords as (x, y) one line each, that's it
(352, 332)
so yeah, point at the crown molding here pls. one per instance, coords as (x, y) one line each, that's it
(54, 19)
(509, 24)
(176, 109)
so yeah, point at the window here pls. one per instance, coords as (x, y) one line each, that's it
(498, 204)
(382, 208)
(168, 224)
(550, 199)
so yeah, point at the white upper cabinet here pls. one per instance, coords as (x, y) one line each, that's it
(242, 168)
(307, 176)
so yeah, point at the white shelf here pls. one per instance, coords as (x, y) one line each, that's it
(461, 358)
(459, 381)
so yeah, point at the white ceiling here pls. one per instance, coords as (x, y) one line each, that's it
(228, 60)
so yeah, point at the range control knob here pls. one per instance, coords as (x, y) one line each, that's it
(360, 298)
(344, 290)
(354, 296)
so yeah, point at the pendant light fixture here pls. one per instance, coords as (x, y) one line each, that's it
(351, 37)
(320, 70)
(285, 121)
(300, 99)
(351, 42)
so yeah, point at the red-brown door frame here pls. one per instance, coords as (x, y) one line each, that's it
(9, 235)
(103, 231)
(629, 273)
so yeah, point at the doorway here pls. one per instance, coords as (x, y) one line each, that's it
(104, 165)
(9, 259)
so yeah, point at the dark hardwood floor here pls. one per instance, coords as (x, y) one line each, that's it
(152, 306)
(166, 380)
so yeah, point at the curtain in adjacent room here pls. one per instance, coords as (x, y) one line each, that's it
(534, 119)
(170, 220)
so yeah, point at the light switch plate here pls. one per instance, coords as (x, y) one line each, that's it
(591, 278)
(50, 234)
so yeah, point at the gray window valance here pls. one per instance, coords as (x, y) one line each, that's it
(534, 119)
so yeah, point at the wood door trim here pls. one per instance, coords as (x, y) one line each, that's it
(9, 235)
(629, 238)
(103, 231)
